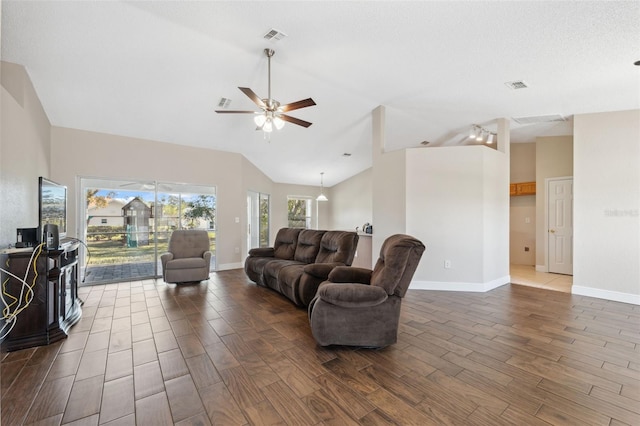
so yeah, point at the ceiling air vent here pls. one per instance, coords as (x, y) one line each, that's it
(539, 119)
(274, 35)
(519, 84)
(224, 102)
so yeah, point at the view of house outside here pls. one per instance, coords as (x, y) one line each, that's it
(125, 226)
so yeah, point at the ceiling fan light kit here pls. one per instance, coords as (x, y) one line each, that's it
(272, 114)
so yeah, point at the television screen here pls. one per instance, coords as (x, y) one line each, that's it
(53, 206)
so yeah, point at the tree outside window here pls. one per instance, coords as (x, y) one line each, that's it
(299, 212)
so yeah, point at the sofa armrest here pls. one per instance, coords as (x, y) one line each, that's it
(207, 256)
(262, 252)
(351, 295)
(350, 274)
(165, 257)
(321, 270)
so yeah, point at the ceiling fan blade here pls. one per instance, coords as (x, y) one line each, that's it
(297, 105)
(252, 95)
(224, 111)
(295, 120)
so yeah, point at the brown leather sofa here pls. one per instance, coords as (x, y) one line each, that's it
(300, 260)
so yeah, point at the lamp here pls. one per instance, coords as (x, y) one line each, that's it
(268, 120)
(322, 197)
(260, 119)
(278, 122)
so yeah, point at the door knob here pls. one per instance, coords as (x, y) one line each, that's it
(553, 231)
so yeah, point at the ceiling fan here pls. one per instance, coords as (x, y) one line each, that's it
(272, 114)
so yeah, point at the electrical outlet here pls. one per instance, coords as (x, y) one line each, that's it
(447, 264)
(237, 250)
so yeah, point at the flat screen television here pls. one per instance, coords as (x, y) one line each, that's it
(52, 206)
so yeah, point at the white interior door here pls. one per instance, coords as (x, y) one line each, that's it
(560, 221)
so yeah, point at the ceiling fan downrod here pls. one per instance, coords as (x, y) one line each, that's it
(269, 53)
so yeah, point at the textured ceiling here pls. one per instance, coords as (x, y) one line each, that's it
(157, 70)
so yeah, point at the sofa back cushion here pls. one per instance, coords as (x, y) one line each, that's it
(188, 243)
(337, 246)
(286, 242)
(308, 245)
(399, 258)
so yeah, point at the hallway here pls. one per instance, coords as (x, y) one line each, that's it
(527, 275)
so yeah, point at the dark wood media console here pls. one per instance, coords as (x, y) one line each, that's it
(55, 306)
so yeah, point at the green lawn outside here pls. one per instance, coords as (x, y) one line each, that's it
(115, 251)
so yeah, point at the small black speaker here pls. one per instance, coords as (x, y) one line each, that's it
(51, 237)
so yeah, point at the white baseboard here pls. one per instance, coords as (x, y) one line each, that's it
(228, 266)
(460, 286)
(541, 268)
(616, 296)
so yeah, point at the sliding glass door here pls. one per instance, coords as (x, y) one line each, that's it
(258, 220)
(128, 224)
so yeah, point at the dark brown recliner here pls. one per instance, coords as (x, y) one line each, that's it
(360, 307)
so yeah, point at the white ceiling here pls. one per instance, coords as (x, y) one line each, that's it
(157, 70)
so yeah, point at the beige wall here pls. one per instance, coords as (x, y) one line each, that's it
(351, 202)
(457, 205)
(78, 153)
(454, 199)
(389, 203)
(554, 158)
(522, 209)
(24, 152)
(607, 205)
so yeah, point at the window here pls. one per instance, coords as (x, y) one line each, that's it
(140, 216)
(299, 212)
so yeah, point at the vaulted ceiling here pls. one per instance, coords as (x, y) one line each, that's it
(157, 70)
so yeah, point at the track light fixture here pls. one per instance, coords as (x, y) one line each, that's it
(478, 133)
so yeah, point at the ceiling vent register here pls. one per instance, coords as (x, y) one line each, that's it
(535, 119)
(274, 35)
(515, 85)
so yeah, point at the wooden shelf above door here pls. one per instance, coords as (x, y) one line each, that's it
(522, 188)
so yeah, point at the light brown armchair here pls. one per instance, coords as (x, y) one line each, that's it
(188, 258)
(360, 307)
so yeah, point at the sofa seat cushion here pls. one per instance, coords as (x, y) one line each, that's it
(186, 263)
(271, 272)
(254, 266)
(289, 281)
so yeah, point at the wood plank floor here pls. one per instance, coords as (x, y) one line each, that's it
(228, 352)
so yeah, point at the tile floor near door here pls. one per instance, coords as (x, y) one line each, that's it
(527, 275)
